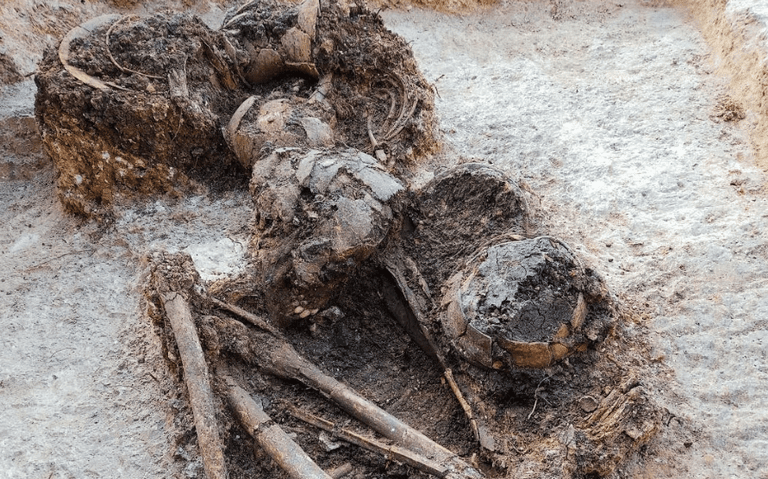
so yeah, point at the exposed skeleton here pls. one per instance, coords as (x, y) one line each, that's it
(485, 301)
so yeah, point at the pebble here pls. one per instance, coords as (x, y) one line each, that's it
(588, 403)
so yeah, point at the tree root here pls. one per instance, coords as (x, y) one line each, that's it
(403, 106)
(408, 312)
(275, 356)
(83, 31)
(374, 143)
(232, 54)
(399, 127)
(251, 318)
(238, 14)
(463, 402)
(219, 65)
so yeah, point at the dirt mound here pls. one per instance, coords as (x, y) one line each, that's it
(385, 349)
(134, 106)
(135, 139)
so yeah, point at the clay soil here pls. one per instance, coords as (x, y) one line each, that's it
(629, 147)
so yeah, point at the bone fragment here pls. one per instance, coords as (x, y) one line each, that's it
(340, 471)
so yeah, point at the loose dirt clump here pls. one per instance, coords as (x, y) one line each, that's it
(728, 110)
(141, 138)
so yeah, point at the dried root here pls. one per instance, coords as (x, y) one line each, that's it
(83, 31)
(277, 357)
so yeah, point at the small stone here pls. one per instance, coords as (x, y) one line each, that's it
(298, 310)
(588, 403)
(305, 314)
(329, 444)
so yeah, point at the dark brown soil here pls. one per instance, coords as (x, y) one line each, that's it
(580, 417)
(526, 290)
(358, 343)
(157, 129)
(544, 423)
(458, 212)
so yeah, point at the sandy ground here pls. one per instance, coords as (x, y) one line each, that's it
(80, 389)
(605, 111)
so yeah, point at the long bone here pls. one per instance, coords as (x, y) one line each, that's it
(277, 357)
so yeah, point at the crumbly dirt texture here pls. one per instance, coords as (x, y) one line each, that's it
(452, 215)
(626, 140)
(174, 83)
